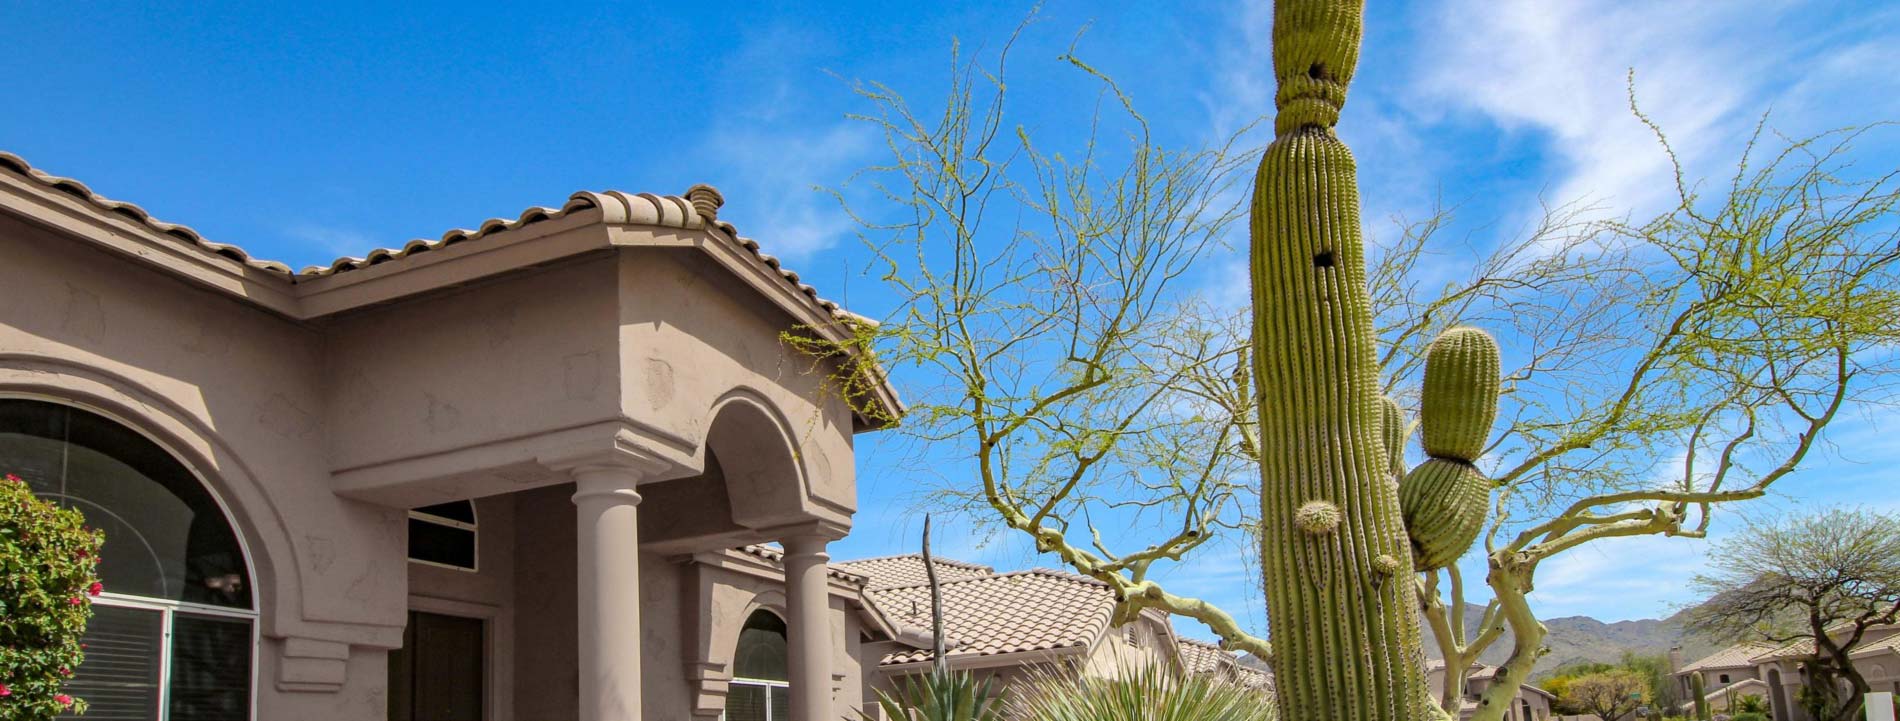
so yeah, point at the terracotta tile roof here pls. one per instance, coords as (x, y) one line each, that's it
(908, 570)
(1741, 654)
(1003, 613)
(776, 557)
(696, 211)
(18, 166)
(1888, 644)
(1201, 657)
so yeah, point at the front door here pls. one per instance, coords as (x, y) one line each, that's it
(439, 673)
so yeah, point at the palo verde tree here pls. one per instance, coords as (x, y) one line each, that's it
(1822, 580)
(1043, 299)
(1648, 369)
(1667, 366)
(1609, 695)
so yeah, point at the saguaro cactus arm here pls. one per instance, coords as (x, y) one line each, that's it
(1446, 499)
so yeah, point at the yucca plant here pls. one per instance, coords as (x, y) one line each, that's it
(942, 696)
(1153, 693)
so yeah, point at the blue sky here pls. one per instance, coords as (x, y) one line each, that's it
(322, 130)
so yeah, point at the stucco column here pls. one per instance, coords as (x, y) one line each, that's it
(808, 631)
(607, 538)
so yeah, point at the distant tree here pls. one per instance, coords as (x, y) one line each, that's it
(1822, 580)
(1610, 695)
(1655, 668)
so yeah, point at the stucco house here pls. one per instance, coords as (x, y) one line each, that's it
(1774, 671)
(1530, 703)
(1010, 626)
(497, 475)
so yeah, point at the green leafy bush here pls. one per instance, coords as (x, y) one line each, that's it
(942, 696)
(48, 575)
(1151, 694)
(1750, 716)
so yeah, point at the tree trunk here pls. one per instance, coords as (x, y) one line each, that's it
(1510, 578)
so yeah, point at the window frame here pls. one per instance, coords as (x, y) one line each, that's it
(167, 607)
(472, 527)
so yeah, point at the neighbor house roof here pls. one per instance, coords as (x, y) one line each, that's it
(1201, 657)
(1737, 656)
(1023, 611)
(1805, 646)
(74, 208)
(908, 570)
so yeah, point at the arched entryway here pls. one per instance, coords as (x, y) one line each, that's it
(1777, 696)
(175, 632)
(760, 678)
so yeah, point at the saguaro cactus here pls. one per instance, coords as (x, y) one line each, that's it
(1701, 696)
(1341, 604)
(1334, 547)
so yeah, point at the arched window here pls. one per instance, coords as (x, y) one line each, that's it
(758, 691)
(444, 535)
(174, 633)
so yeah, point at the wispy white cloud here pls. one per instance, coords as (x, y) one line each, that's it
(776, 176)
(777, 139)
(329, 242)
(1620, 579)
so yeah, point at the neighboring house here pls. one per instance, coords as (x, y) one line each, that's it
(1529, 704)
(1727, 676)
(494, 475)
(1774, 671)
(1009, 626)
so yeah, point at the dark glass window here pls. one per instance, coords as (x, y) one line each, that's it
(758, 691)
(443, 534)
(165, 536)
(211, 668)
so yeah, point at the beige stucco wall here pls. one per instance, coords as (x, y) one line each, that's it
(236, 393)
(317, 433)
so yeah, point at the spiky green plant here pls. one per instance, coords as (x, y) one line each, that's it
(941, 696)
(1701, 697)
(1335, 546)
(1153, 693)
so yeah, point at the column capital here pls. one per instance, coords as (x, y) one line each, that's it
(620, 453)
(808, 537)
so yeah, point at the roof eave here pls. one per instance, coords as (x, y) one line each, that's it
(45, 204)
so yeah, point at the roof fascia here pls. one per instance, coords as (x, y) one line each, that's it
(121, 236)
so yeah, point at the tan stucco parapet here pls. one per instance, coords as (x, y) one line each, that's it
(587, 222)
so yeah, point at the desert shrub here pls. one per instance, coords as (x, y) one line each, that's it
(1153, 693)
(48, 575)
(942, 696)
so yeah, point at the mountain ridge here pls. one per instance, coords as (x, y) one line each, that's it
(1574, 639)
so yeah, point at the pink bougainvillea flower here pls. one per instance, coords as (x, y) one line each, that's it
(13, 478)
(4, 691)
(63, 699)
(75, 600)
(95, 588)
(63, 671)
